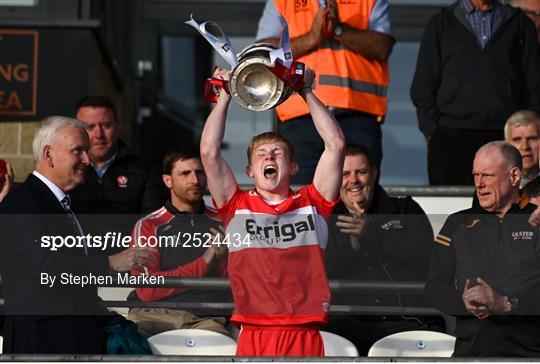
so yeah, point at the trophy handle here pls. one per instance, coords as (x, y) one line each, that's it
(292, 77)
(211, 88)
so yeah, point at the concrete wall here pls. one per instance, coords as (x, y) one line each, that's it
(16, 135)
(16, 146)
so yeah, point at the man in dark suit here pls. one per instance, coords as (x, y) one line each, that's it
(48, 308)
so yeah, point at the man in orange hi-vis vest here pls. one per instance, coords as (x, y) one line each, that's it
(347, 43)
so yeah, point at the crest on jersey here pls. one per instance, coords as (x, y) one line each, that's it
(122, 181)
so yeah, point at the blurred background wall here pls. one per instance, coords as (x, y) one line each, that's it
(142, 55)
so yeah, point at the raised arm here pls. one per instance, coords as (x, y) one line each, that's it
(327, 179)
(221, 181)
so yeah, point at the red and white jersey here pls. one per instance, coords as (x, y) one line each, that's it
(170, 231)
(276, 257)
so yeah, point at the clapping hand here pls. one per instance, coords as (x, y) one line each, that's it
(332, 18)
(534, 220)
(481, 299)
(220, 249)
(354, 224)
(318, 31)
(6, 181)
(132, 258)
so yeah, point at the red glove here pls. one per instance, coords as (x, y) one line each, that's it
(292, 77)
(212, 87)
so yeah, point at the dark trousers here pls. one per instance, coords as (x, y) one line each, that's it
(358, 128)
(27, 334)
(451, 153)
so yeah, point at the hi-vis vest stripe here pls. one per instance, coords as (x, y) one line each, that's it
(345, 79)
(354, 85)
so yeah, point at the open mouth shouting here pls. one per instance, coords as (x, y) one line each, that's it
(270, 171)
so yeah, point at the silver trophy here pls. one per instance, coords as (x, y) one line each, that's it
(251, 85)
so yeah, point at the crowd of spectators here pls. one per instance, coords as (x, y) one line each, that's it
(477, 65)
(477, 93)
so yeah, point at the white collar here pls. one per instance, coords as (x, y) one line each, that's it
(58, 193)
(273, 203)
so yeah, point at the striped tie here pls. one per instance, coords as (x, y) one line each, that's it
(66, 203)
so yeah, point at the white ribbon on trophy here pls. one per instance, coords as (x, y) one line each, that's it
(252, 63)
(284, 52)
(223, 46)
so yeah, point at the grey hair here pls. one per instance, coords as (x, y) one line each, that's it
(510, 154)
(521, 118)
(47, 131)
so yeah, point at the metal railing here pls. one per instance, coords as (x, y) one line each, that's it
(342, 285)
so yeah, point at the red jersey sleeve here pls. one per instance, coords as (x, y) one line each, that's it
(196, 269)
(227, 211)
(324, 207)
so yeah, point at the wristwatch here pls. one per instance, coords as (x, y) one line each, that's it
(338, 30)
(513, 302)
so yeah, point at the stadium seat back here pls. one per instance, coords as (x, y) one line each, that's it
(414, 344)
(335, 345)
(192, 342)
(115, 294)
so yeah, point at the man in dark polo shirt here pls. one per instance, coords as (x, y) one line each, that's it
(375, 237)
(485, 268)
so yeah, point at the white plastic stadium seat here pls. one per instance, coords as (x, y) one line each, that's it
(1, 344)
(192, 342)
(335, 345)
(115, 294)
(414, 344)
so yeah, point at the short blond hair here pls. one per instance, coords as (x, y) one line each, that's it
(521, 118)
(269, 137)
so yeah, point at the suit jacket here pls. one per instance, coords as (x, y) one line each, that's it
(39, 318)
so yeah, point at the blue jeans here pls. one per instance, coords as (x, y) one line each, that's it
(358, 128)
